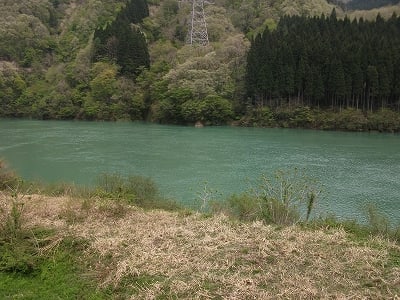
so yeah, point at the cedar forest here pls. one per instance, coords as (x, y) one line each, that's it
(305, 64)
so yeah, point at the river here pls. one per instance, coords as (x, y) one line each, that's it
(353, 168)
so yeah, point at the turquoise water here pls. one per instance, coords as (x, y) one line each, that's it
(355, 168)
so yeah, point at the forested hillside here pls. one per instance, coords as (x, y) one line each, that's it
(327, 62)
(128, 59)
(368, 4)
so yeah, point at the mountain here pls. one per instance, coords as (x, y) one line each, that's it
(368, 4)
(72, 59)
(370, 14)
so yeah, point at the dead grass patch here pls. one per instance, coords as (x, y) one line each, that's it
(166, 254)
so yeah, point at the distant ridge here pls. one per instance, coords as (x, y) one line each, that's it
(366, 4)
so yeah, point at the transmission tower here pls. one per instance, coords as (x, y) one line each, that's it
(197, 33)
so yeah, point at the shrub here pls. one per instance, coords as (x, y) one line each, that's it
(8, 179)
(110, 184)
(143, 188)
(136, 190)
(288, 197)
(18, 250)
(245, 207)
(11, 217)
(262, 116)
(351, 119)
(384, 120)
(284, 199)
(302, 117)
(378, 224)
(213, 109)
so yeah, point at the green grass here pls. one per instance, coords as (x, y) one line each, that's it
(394, 258)
(36, 263)
(134, 190)
(58, 276)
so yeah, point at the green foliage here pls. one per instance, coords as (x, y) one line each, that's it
(56, 274)
(103, 84)
(213, 110)
(122, 43)
(301, 117)
(384, 120)
(245, 207)
(216, 110)
(112, 97)
(169, 8)
(24, 31)
(284, 199)
(136, 190)
(376, 224)
(258, 116)
(285, 195)
(305, 117)
(168, 108)
(18, 247)
(302, 63)
(351, 119)
(12, 85)
(51, 49)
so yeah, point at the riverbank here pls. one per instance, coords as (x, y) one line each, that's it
(294, 117)
(126, 252)
(349, 119)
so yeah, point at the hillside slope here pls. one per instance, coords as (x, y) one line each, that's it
(51, 43)
(385, 11)
(50, 67)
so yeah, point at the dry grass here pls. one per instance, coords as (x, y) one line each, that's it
(174, 256)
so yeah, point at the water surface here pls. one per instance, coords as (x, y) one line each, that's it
(355, 168)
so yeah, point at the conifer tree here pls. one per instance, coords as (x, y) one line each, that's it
(327, 62)
(122, 42)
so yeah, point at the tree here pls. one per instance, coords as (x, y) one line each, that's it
(326, 62)
(213, 110)
(123, 43)
(372, 85)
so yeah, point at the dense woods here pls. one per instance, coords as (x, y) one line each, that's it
(327, 62)
(122, 43)
(264, 66)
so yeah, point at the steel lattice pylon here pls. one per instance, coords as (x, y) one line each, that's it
(197, 33)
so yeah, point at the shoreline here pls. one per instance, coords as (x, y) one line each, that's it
(346, 120)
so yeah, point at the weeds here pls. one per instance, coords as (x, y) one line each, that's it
(12, 217)
(244, 207)
(18, 249)
(8, 179)
(284, 199)
(376, 225)
(134, 190)
(286, 195)
(379, 225)
(33, 259)
(207, 198)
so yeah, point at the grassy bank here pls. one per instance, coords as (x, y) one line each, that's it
(104, 243)
(99, 249)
